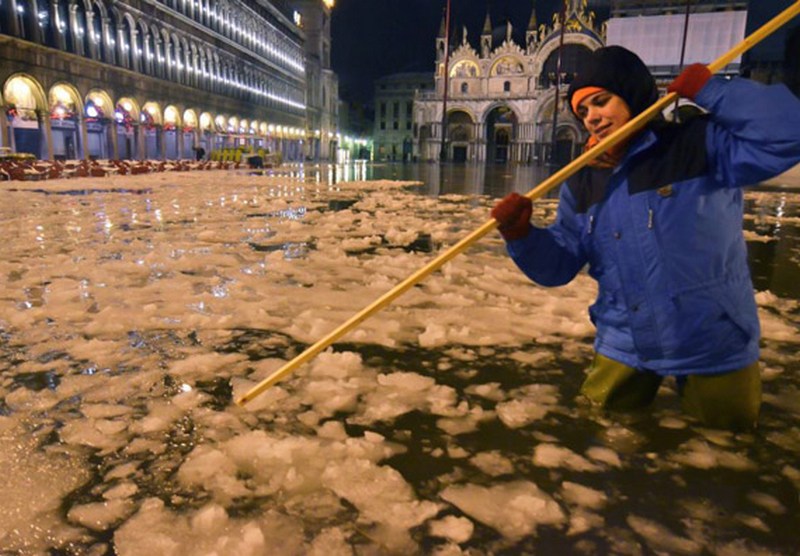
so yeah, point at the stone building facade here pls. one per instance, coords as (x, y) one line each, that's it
(394, 114)
(156, 78)
(501, 103)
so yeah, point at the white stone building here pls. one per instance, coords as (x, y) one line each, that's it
(501, 98)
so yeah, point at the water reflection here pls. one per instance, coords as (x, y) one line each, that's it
(495, 180)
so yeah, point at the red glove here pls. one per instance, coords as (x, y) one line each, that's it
(513, 214)
(690, 81)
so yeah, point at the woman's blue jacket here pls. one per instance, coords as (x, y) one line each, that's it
(662, 233)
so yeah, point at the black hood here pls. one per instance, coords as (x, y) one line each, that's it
(622, 72)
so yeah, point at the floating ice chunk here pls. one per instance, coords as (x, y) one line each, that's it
(399, 236)
(604, 455)
(466, 422)
(768, 502)
(122, 490)
(209, 531)
(333, 430)
(519, 413)
(534, 359)
(161, 415)
(122, 471)
(531, 403)
(96, 433)
(100, 516)
(203, 366)
(31, 400)
(699, 454)
(552, 456)
(329, 397)
(492, 463)
(491, 391)
(105, 410)
(410, 382)
(750, 235)
(514, 509)
(661, 539)
(585, 497)
(330, 542)
(336, 365)
(434, 335)
(212, 470)
(674, 423)
(382, 497)
(456, 529)
(33, 483)
(400, 393)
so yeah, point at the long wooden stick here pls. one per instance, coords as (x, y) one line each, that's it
(615, 138)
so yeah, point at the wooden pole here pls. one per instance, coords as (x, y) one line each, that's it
(683, 51)
(443, 145)
(615, 138)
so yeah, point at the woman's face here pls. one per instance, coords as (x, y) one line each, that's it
(603, 113)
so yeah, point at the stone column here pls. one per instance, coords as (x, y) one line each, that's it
(46, 128)
(161, 142)
(114, 139)
(84, 134)
(5, 129)
(141, 142)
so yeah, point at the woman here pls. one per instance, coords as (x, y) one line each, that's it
(658, 220)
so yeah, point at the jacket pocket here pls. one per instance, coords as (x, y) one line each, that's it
(710, 322)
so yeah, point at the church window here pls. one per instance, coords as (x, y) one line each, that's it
(507, 86)
(464, 88)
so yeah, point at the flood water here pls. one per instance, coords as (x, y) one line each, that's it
(135, 309)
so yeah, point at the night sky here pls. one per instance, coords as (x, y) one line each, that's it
(373, 38)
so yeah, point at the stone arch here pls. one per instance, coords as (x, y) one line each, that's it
(64, 101)
(152, 114)
(63, 23)
(101, 104)
(460, 133)
(193, 59)
(128, 105)
(507, 64)
(96, 29)
(206, 122)
(24, 91)
(221, 123)
(174, 144)
(65, 108)
(25, 103)
(465, 68)
(80, 29)
(127, 31)
(172, 117)
(502, 122)
(127, 114)
(145, 53)
(112, 31)
(189, 119)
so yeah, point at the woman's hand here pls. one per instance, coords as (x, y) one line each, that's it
(513, 215)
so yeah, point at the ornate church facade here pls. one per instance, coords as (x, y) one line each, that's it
(501, 100)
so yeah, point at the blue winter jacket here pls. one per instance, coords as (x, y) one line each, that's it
(662, 233)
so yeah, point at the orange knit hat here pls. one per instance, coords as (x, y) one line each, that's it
(581, 94)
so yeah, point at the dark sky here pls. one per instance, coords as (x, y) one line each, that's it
(373, 38)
